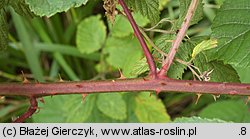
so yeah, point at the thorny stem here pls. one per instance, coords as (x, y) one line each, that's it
(165, 54)
(169, 60)
(146, 51)
(35, 90)
(32, 109)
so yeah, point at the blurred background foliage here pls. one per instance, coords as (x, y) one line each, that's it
(81, 44)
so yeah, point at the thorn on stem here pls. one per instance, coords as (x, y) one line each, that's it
(84, 97)
(248, 99)
(157, 91)
(25, 80)
(2, 98)
(121, 74)
(42, 100)
(145, 79)
(215, 97)
(198, 98)
(38, 110)
(60, 78)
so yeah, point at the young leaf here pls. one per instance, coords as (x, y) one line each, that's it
(195, 119)
(149, 109)
(231, 28)
(148, 8)
(91, 34)
(203, 46)
(51, 7)
(112, 105)
(184, 5)
(65, 109)
(162, 3)
(230, 110)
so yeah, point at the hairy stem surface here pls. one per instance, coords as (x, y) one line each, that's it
(122, 85)
(176, 43)
(138, 34)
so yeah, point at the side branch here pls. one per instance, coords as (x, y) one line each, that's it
(32, 109)
(138, 34)
(179, 38)
(35, 90)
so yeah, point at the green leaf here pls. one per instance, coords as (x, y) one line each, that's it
(91, 34)
(112, 105)
(3, 31)
(184, 5)
(140, 67)
(230, 110)
(220, 73)
(21, 8)
(98, 117)
(203, 46)
(184, 53)
(123, 53)
(244, 74)
(51, 7)
(3, 3)
(197, 120)
(131, 104)
(149, 109)
(162, 4)
(61, 109)
(122, 27)
(231, 27)
(148, 8)
(219, 2)
(164, 43)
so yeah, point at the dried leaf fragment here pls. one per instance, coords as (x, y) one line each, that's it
(110, 7)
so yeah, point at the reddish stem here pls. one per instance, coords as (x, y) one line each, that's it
(122, 85)
(169, 60)
(32, 109)
(138, 34)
